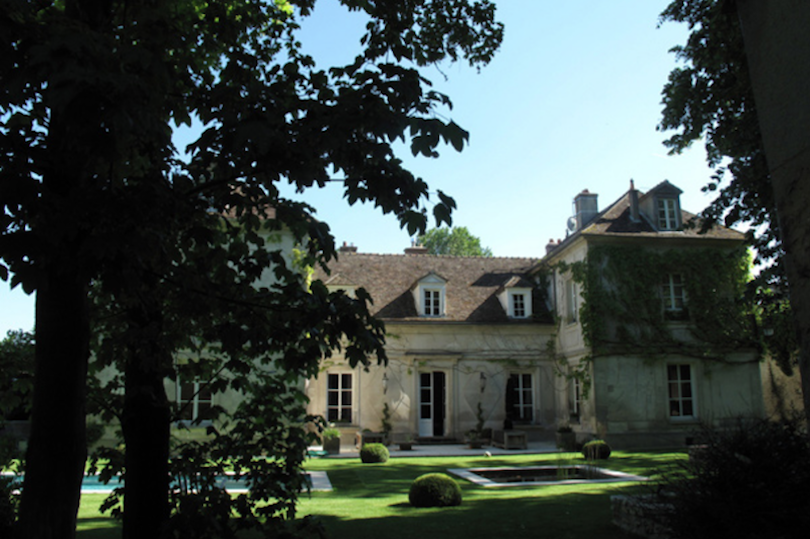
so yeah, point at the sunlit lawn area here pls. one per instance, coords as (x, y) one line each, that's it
(370, 501)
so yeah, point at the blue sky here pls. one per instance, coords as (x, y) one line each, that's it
(570, 102)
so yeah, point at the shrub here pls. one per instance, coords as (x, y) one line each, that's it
(434, 490)
(596, 450)
(751, 481)
(330, 433)
(371, 453)
(8, 505)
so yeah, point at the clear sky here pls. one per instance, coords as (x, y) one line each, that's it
(570, 102)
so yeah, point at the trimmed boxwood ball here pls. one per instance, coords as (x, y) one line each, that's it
(371, 453)
(434, 490)
(596, 450)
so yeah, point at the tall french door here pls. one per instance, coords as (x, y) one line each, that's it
(432, 403)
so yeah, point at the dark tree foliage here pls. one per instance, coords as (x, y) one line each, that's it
(16, 375)
(746, 481)
(710, 98)
(94, 202)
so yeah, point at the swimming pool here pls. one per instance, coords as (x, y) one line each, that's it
(318, 481)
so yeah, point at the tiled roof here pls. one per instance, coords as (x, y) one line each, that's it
(470, 291)
(615, 221)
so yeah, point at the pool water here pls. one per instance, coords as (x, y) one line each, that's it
(92, 483)
(542, 475)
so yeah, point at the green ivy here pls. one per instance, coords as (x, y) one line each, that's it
(622, 310)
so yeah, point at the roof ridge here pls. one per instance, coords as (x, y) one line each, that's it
(423, 255)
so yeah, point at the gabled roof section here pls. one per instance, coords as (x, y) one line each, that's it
(338, 279)
(616, 221)
(518, 281)
(430, 278)
(664, 188)
(471, 283)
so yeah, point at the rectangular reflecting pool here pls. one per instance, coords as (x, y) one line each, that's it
(542, 475)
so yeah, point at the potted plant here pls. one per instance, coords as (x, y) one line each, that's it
(566, 437)
(406, 445)
(331, 441)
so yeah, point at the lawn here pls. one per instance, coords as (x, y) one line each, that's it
(370, 501)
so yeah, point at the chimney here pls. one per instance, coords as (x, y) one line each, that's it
(634, 217)
(416, 249)
(346, 248)
(586, 208)
(551, 245)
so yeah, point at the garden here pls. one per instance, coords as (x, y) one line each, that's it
(371, 500)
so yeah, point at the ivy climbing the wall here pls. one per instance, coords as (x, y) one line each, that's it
(625, 292)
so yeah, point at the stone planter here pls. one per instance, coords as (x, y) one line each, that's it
(405, 446)
(331, 446)
(567, 441)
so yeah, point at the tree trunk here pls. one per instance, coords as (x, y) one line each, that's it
(146, 419)
(56, 449)
(777, 46)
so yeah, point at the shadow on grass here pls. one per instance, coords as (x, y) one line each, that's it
(98, 528)
(572, 515)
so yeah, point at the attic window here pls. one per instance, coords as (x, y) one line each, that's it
(668, 214)
(432, 301)
(519, 303)
(429, 295)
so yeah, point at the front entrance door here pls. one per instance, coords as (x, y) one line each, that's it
(432, 406)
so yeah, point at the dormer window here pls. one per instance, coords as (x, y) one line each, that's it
(518, 305)
(516, 298)
(519, 302)
(431, 301)
(668, 214)
(429, 295)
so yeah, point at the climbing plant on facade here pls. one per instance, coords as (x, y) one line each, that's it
(625, 311)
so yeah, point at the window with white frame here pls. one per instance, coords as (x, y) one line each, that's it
(519, 303)
(432, 301)
(339, 397)
(681, 392)
(570, 301)
(673, 295)
(194, 400)
(668, 214)
(519, 398)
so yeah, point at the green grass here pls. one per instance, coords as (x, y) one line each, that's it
(370, 501)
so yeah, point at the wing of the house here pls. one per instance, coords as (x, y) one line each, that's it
(650, 322)
(462, 333)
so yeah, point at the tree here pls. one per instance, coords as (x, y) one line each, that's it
(745, 91)
(454, 241)
(710, 99)
(95, 199)
(777, 49)
(16, 375)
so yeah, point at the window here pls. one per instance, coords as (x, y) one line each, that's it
(519, 305)
(429, 295)
(339, 398)
(432, 301)
(576, 397)
(667, 214)
(519, 403)
(570, 301)
(681, 392)
(673, 295)
(194, 400)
